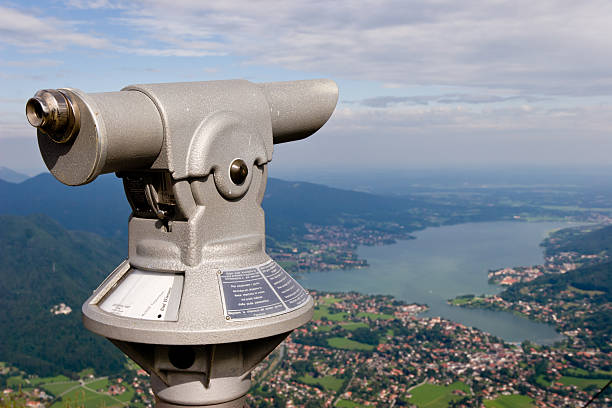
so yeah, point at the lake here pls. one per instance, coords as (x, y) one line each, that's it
(444, 262)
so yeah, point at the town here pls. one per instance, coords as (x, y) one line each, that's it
(332, 247)
(558, 263)
(375, 351)
(368, 351)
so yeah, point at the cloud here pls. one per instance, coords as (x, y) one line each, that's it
(41, 34)
(93, 4)
(548, 47)
(30, 32)
(545, 47)
(41, 62)
(12, 126)
(475, 99)
(586, 126)
(170, 52)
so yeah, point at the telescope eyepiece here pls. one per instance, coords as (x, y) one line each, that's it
(51, 112)
(37, 112)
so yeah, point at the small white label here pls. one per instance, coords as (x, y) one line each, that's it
(146, 295)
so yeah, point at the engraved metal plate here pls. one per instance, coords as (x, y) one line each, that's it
(259, 291)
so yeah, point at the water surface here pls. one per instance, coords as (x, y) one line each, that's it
(444, 262)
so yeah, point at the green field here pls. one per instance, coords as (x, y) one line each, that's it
(59, 387)
(579, 372)
(329, 300)
(350, 326)
(463, 300)
(87, 398)
(437, 396)
(323, 311)
(329, 382)
(14, 382)
(347, 344)
(342, 403)
(98, 384)
(127, 395)
(510, 401)
(543, 382)
(86, 372)
(585, 292)
(583, 383)
(375, 316)
(48, 380)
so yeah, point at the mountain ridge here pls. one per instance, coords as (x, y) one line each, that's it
(43, 264)
(12, 176)
(102, 207)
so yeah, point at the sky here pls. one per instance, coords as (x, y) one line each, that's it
(423, 84)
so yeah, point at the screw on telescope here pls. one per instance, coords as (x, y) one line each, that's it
(51, 112)
(238, 171)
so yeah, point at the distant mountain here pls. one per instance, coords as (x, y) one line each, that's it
(289, 205)
(598, 240)
(101, 206)
(589, 278)
(12, 176)
(41, 265)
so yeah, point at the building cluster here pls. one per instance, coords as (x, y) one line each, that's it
(325, 248)
(411, 351)
(61, 309)
(574, 312)
(35, 398)
(143, 394)
(559, 263)
(374, 351)
(510, 276)
(131, 389)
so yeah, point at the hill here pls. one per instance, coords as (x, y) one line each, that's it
(11, 176)
(584, 240)
(42, 265)
(101, 207)
(594, 278)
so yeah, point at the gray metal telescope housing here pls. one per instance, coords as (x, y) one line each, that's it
(198, 303)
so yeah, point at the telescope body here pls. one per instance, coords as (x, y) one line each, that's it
(198, 303)
(150, 126)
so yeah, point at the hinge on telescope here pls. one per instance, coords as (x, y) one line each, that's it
(150, 194)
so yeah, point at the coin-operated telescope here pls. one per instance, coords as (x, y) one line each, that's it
(198, 303)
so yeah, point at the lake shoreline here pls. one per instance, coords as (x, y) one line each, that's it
(447, 261)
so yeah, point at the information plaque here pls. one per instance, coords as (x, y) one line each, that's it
(259, 291)
(146, 295)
